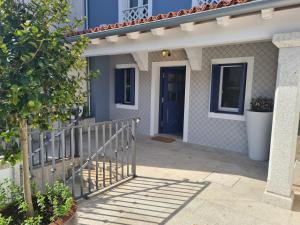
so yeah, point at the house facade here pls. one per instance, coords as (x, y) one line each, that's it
(190, 69)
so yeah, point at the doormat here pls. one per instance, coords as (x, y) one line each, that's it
(163, 139)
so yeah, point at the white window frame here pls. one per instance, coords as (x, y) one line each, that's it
(124, 4)
(136, 89)
(248, 91)
(225, 109)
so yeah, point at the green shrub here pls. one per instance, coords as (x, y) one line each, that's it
(55, 203)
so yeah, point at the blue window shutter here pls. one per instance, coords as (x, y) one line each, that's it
(243, 89)
(132, 85)
(119, 86)
(215, 86)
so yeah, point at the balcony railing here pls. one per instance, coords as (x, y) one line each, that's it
(135, 13)
(200, 2)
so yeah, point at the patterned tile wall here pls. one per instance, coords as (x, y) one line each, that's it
(144, 95)
(218, 133)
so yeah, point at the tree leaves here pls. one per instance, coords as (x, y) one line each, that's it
(35, 60)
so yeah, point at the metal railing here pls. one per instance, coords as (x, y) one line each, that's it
(134, 13)
(86, 158)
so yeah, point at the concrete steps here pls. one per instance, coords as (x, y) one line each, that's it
(93, 172)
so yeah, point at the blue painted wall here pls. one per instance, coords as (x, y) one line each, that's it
(165, 6)
(102, 12)
(106, 11)
(100, 88)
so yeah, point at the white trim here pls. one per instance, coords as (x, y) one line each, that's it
(141, 58)
(226, 116)
(136, 95)
(187, 27)
(267, 14)
(247, 28)
(223, 21)
(248, 93)
(195, 57)
(155, 90)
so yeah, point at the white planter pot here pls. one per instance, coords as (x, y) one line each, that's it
(259, 127)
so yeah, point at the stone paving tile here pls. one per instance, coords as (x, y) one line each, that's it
(184, 184)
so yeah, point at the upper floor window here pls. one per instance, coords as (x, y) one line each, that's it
(200, 2)
(134, 9)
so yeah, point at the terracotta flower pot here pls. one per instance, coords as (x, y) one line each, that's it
(70, 218)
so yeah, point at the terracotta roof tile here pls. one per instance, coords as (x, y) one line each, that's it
(183, 12)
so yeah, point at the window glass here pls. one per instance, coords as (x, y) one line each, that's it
(172, 87)
(145, 2)
(230, 87)
(127, 86)
(133, 3)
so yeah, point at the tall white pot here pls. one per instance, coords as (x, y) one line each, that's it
(259, 128)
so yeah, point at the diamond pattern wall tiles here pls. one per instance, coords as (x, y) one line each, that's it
(217, 133)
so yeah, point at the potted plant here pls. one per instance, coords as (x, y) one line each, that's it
(259, 126)
(54, 206)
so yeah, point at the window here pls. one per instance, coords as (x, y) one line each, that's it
(228, 88)
(125, 86)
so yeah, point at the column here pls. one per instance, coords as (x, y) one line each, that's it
(285, 122)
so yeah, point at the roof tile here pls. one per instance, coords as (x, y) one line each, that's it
(183, 12)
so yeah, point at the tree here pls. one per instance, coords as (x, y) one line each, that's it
(35, 86)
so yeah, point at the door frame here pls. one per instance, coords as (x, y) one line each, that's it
(155, 92)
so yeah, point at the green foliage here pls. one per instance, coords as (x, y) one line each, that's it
(5, 221)
(61, 199)
(36, 220)
(55, 203)
(35, 61)
(262, 104)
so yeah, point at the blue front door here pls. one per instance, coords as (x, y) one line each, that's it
(172, 90)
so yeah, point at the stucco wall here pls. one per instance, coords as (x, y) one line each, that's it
(102, 12)
(219, 133)
(144, 96)
(100, 88)
(77, 10)
(166, 6)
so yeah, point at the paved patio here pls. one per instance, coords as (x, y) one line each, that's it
(185, 184)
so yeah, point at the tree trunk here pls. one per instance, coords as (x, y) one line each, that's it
(26, 172)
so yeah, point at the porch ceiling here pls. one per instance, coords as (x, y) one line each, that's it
(225, 30)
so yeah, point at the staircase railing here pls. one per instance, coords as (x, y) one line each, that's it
(98, 156)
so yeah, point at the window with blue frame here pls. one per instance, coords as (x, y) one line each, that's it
(125, 86)
(228, 88)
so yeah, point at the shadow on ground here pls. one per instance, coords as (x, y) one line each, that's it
(143, 200)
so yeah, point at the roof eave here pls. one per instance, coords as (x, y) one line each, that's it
(235, 10)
